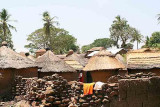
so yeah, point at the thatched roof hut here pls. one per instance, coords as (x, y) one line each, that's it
(61, 56)
(75, 60)
(11, 59)
(93, 50)
(143, 59)
(50, 64)
(102, 66)
(104, 60)
(12, 64)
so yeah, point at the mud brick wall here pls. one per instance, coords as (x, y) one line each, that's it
(99, 98)
(138, 92)
(50, 91)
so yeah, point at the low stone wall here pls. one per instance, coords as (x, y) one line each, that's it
(136, 90)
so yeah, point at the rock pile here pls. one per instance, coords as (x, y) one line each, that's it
(98, 98)
(49, 91)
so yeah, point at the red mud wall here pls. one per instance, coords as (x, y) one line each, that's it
(138, 93)
(102, 76)
(6, 81)
(27, 72)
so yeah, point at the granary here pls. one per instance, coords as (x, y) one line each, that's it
(93, 51)
(12, 64)
(50, 64)
(102, 66)
(143, 60)
(40, 52)
(26, 54)
(75, 60)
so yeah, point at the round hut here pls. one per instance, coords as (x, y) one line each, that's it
(102, 66)
(12, 64)
(49, 64)
(143, 60)
(75, 60)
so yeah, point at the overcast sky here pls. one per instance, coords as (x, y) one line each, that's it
(86, 20)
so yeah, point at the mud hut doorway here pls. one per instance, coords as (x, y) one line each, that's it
(89, 77)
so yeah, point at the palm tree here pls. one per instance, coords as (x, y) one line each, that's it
(48, 26)
(136, 36)
(5, 26)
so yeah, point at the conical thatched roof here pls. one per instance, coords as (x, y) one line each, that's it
(103, 60)
(11, 59)
(76, 61)
(51, 63)
(143, 59)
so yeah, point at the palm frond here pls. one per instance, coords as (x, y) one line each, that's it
(12, 27)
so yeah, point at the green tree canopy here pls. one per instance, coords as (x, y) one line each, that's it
(61, 43)
(5, 33)
(153, 41)
(122, 32)
(102, 42)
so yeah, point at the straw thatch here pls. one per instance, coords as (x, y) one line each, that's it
(143, 59)
(51, 63)
(11, 59)
(103, 60)
(96, 49)
(76, 61)
(61, 56)
(31, 57)
(22, 53)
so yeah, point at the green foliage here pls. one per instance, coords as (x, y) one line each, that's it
(5, 33)
(155, 38)
(61, 43)
(128, 46)
(58, 40)
(85, 48)
(122, 32)
(153, 41)
(103, 42)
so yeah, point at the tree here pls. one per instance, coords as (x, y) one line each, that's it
(61, 43)
(5, 27)
(102, 42)
(146, 43)
(153, 41)
(121, 31)
(155, 38)
(136, 36)
(48, 26)
(85, 48)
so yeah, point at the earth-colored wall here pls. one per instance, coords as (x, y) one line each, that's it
(102, 76)
(27, 72)
(9, 75)
(140, 92)
(70, 76)
(6, 81)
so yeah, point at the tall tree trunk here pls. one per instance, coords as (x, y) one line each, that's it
(137, 44)
(4, 32)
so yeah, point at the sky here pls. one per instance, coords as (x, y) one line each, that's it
(86, 20)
